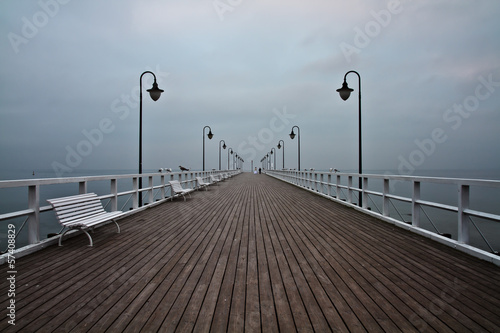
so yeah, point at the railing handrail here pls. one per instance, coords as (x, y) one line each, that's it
(315, 181)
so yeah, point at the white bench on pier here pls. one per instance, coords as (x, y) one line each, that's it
(177, 189)
(82, 212)
(214, 180)
(201, 183)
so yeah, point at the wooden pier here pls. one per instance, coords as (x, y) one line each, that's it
(252, 254)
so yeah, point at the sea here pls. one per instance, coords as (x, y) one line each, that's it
(482, 199)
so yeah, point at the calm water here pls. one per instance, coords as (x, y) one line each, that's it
(483, 199)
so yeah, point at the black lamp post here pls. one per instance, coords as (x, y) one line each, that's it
(230, 150)
(155, 94)
(210, 136)
(292, 135)
(279, 147)
(344, 93)
(224, 147)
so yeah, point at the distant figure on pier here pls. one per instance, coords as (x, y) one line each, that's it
(260, 171)
(183, 168)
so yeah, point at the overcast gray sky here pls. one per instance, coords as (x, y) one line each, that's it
(249, 69)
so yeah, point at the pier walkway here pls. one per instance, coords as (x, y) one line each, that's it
(252, 254)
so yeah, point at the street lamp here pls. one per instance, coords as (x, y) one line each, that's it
(155, 93)
(224, 147)
(344, 93)
(292, 135)
(279, 147)
(210, 136)
(230, 150)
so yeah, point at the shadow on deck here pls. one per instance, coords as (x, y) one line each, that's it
(253, 254)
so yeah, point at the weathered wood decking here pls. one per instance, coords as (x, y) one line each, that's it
(253, 254)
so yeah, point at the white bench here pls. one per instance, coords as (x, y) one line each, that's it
(201, 183)
(81, 212)
(177, 189)
(214, 180)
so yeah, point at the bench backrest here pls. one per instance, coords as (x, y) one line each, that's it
(176, 186)
(69, 209)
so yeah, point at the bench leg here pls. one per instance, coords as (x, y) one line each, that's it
(117, 226)
(85, 231)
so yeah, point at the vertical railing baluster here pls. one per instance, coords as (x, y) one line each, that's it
(385, 198)
(82, 187)
(135, 195)
(415, 206)
(364, 194)
(162, 179)
(463, 221)
(329, 185)
(114, 192)
(150, 190)
(34, 218)
(337, 188)
(349, 189)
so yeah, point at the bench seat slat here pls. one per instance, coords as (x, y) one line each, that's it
(93, 220)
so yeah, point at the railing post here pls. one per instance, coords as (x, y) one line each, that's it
(114, 192)
(463, 222)
(34, 218)
(415, 206)
(385, 204)
(321, 183)
(337, 188)
(82, 187)
(328, 185)
(349, 189)
(135, 195)
(171, 192)
(150, 190)
(364, 194)
(162, 179)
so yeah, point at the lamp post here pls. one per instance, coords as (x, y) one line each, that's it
(344, 93)
(292, 135)
(210, 136)
(279, 147)
(155, 94)
(224, 147)
(274, 156)
(230, 150)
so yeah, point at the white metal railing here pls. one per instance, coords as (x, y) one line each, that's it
(380, 197)
(157, 189)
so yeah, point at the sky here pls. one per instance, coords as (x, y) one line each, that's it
(251, 70)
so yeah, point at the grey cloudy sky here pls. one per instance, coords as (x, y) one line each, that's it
(69, 77)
